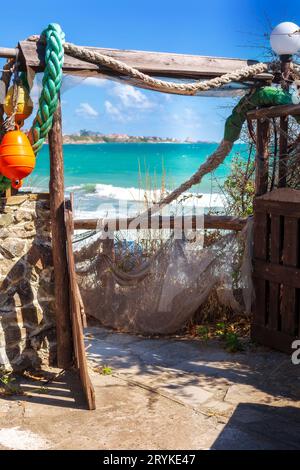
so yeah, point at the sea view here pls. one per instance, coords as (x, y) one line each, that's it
(108, 175)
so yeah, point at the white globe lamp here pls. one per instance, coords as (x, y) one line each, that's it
(285, 39)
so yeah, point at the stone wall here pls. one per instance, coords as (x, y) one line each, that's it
(27, 333)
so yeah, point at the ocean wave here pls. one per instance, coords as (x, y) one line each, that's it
(86, 187)
(139, 195)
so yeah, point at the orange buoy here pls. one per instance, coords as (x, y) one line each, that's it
(17, 159)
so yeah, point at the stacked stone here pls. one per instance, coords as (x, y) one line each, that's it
(27, 334)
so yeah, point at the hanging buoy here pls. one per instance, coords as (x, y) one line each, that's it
(24, 104)
(17, 159)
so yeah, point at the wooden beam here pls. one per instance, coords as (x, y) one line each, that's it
(153, 63)
(8, 52)
(262, 157)
(221, 222)
(61, 278)
(275, 111)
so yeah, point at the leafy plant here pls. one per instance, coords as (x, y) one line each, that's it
(232, 342)
(239, 187)
(221, 329)
(106, 370)
(7, 380)
(203, 332)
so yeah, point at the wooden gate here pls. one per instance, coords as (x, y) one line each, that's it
(276, 319)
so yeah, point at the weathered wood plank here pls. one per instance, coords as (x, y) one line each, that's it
(291, 209)
(277, 273)
(76, 317)
(260, 248)
(275, 255)
(272, 338)
(152, 63)
(8, 52)
(260, 251)
(61, 277)
(159, 222)
(275, 111)
(290, 258)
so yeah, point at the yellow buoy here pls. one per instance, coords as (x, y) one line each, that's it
(24, 105)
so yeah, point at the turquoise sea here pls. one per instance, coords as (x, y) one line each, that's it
(103, 174)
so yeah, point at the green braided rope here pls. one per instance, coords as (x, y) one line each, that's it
(54, 57)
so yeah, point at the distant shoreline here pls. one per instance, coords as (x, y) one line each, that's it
(154, 143)
(85, 142)
(88, 137)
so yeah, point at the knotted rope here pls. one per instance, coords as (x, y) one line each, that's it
(211, 164)
(94, 57)
(97, 58)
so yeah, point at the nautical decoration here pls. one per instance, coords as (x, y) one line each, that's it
(24, 104)
(17, 159)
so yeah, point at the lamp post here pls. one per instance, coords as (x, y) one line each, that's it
(285, 41)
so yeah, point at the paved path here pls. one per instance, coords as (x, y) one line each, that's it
(163, 394)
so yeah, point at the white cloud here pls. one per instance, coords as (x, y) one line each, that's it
(94, 81)
(114, 112)
(86, 110)
(131, 97)
(187, 117)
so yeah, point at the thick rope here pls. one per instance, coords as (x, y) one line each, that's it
(54, 57)
(87, 55)
(211, 164)
(266, 96)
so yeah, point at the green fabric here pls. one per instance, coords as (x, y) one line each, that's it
(266, 96)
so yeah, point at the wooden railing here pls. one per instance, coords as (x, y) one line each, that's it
(222, 222)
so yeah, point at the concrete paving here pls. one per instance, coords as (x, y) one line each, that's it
(169, 393)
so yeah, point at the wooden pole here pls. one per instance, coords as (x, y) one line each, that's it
(284, 125)
(262, 158)
(283, 151)
(61, 278)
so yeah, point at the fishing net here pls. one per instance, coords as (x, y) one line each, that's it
(163, 293)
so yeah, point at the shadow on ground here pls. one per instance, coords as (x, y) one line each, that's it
(196, 363)
(57, 389)
(253, 427)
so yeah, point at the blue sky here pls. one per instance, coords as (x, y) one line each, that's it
(228, 28)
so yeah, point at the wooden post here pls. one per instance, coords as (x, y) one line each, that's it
(283, 151)
(262, 158)
(61, 278)
(284, 124)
